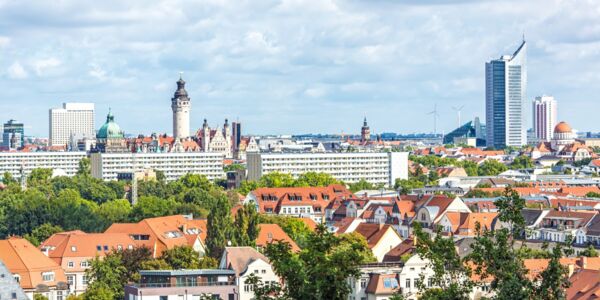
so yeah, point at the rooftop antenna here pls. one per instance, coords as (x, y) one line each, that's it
(458, 110)
(435, 116)
(180, 75)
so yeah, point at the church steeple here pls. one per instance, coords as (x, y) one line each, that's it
(365, 132)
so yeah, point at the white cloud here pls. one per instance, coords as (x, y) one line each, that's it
(40, 66)
(4, 41)
(97, 72)
(16, 71)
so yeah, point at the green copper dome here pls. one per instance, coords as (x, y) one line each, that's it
(110, 129)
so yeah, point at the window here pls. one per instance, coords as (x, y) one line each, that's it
(73, 249)
(163, 298)
(105, 247)
(430, 282)
(13, 296)
(84, 264)
(70, 264)
(407, 283)
(99, 248)
(264, 271)
(48, 276)
(71, 280)
(119, 247)
(59, 295)
(390, 283)
(363, 283)
(17, 278)
(84, 280)
(248, 288)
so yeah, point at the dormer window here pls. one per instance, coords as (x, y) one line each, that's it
(73, 249)
(48, 276)
(17, 278)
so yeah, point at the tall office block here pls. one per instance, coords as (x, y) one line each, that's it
(505, 94)
(237, 135)
(73, 119)
(13, 135)
(544, 117)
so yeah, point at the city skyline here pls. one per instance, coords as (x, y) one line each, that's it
(389, 62)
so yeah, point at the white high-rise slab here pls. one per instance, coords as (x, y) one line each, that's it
(544, 117)
(73, 119)
(505, 94)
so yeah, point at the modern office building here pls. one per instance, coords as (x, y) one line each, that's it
(374, 167)
(107, 166)
(544, 117)
(181, 105)
(62, 163)
(13, 135)
(73, 119)
(237, 135)
(505, 94)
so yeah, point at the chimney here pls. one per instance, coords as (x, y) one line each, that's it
(583, 262)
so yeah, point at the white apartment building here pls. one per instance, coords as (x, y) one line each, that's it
(63, 163)
(174, 165)
(544, 118)
(376, 168)
(73, 119)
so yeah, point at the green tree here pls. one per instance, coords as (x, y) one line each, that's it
(219, 228)
(42, 233)
(37, 296)
(450, 273)
(39, 177)
(181, 257)
(248, 186)
(592, 195)
(522, 162)
(360, 185)
(115, 211)
(277, 179)
(246, 228)
(8, 179)
(315, 179)
(84, 167)
(554, 280)
(494, 254)
(319, 271)
(107, 277)
(295, 228)
(234, 167)
(406, 185)
(150, 207)
(491, 167)
(590, 251)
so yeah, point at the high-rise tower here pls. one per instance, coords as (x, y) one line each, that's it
(505, 94)
(544, 117)
(180, 103)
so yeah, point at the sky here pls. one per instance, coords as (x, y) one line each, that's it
(292, 66)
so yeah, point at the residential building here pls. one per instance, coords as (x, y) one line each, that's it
(73, 251)
(272, 233)
(162, 233)
(107, 166)
(377, 281)
(13, 135)
(415, 269)
(181, 106)
(36, 273)
(380, 238)
(73, 119)
(464, 224)
(505, 94)
(183, 284)
(431, 210)
(245, 261)
(9, 286)
(544, 117)
(309, 202)
(376, 167)
(64, 163)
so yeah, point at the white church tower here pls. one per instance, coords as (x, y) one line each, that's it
(180, 103)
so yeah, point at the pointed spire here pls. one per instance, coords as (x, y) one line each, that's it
(365, 121)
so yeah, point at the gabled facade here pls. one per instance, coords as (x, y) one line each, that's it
(245, 261)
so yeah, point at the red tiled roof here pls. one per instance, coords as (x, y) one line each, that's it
(270, 233)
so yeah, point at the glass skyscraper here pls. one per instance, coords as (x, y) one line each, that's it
(505, 94)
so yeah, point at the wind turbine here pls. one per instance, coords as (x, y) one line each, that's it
(435, 116)
(458, 110)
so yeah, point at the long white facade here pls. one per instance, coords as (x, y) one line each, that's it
(73, 119)
(12, 162)
(107, 166)
(376, 168)
(505, 94)
(544, 117)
